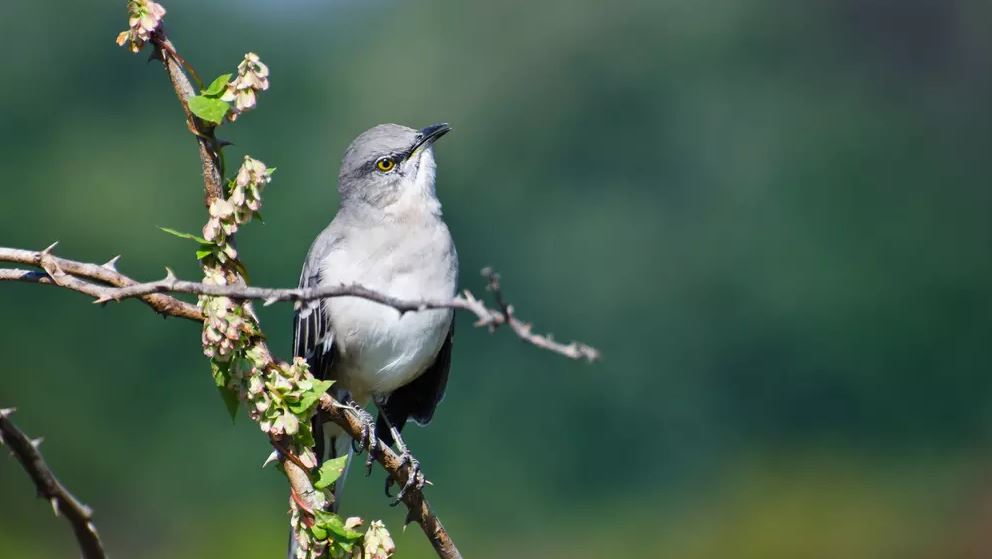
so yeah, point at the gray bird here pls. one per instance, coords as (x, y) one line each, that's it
(389, 236)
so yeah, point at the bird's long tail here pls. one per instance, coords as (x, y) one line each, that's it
(332, 442)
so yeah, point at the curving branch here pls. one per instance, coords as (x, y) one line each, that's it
(63, 502)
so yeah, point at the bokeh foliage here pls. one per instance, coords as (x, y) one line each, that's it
(772, 216)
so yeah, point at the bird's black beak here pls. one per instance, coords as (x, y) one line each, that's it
(429, 135)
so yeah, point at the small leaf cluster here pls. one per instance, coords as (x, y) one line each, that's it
(213, 104)
(329, 535)
(283, 399)
(326, 535)
(208, 105)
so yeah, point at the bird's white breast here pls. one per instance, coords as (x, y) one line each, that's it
(378, 349)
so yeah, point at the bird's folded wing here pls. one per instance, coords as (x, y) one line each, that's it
(312, 336)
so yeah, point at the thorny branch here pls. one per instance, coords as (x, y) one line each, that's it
(94, 280)
(49, 488)
(125, 288)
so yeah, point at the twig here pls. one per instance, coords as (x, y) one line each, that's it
(63, 502)
(68, 273)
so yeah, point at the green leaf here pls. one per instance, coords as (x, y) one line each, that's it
(208, 108)
(217, 87)
(231, 400)
(330, 471)
(319, 533)
(310, 397)
(332, 523)
(182, 235)
(321, 386)
(221, 373)
(239, 267)
(304, 436)
(204, 251)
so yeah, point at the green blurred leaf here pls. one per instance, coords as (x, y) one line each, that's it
(221, 373)
(239, 267)
(310, 397)
(182, 235)
(208, 108)
(217, 87)
(231, 401)
(305, 435)
(330, 471)
(318, 532)
(204, 251)
(332, 523)
(321, 386)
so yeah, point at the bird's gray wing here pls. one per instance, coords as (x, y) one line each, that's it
(312, 336)
(313, 339)
(419, 398)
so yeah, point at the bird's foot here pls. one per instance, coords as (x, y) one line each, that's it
(414, 477)
(368, 440)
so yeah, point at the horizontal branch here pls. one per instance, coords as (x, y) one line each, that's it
(126, 288)
(72, 274)
(79, 515)
(485, 316)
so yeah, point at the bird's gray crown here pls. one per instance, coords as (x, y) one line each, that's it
(387, 159)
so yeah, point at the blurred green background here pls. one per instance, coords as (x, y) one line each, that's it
(772, 216)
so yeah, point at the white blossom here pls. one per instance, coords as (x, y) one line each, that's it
(253, 76)
(144, 17)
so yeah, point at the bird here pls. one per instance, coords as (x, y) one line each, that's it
(388, 235)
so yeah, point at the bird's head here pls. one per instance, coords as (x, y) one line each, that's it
(389, 163)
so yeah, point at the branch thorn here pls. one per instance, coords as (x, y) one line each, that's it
(48, 250)
(273, 457)
(112, 263)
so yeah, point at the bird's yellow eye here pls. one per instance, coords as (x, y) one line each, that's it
(385, 164)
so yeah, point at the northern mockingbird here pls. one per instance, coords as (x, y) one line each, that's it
(388, 235)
